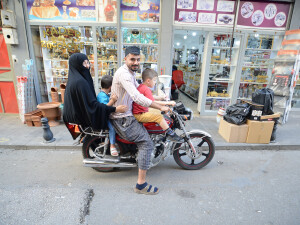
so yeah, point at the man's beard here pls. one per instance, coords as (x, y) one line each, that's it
(134, 70)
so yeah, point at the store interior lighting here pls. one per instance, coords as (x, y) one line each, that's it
(194, 34)
(177, 43)
(184, 37)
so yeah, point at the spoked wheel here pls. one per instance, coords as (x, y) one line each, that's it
(204, 147)
(91, 148)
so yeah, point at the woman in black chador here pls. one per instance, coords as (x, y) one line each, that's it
(80, 104)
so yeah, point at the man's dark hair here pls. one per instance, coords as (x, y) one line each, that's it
(174, 67)
(106, 81)
(149, 73)
(132, 50)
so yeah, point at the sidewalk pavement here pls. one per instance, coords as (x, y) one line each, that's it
(15, 135)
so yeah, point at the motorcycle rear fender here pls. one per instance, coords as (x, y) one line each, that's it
(205, 134)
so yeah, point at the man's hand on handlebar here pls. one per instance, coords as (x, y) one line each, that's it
(121, 108)
(165, 109)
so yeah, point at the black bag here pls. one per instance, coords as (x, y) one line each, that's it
(264, 96)
(237, 113)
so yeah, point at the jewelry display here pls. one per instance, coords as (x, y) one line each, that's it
(57, 44)
(150, 38)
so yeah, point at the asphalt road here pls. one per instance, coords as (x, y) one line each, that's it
(237, 187)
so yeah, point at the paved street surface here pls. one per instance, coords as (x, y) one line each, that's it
(237, 187)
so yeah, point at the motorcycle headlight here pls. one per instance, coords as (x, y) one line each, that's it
(189, 111)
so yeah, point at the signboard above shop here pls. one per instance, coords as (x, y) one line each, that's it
(73, 10)
(263, 14)
(140, 11)
(205, 12)
(62, 10)
(250, 14)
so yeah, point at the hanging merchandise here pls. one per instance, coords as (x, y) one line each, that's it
(285, 75)
(25, 89)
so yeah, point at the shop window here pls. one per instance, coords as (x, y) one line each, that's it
(58, 43)
(147, 40)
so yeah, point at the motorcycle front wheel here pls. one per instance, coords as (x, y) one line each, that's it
(203, 144)
(88, 151)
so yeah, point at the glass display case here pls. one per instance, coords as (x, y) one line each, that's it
(147, 40)
(107, 54)
(219, 71)
(258, 63)
(57, 44)
(191, 75)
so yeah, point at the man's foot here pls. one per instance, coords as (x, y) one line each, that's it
(172, 136)
(146, 189)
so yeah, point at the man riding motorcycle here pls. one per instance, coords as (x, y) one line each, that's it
(125, 88)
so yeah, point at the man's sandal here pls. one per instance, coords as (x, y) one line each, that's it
(114, 152)
(148, 190)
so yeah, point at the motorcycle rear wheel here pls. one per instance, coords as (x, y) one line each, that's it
(199, 140)
(90, 144)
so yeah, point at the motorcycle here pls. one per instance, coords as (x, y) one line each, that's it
(195, 152)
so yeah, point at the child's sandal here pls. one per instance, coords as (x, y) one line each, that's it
(114, 152)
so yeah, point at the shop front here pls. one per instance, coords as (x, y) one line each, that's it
(100, 29)
(226, 49)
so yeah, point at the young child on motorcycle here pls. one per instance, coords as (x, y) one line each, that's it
(103, 97)
(143, 115)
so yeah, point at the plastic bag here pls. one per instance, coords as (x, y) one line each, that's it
(264, 96)
(237, 113)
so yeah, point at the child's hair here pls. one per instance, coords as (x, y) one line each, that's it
(106, 81)
(149, 74)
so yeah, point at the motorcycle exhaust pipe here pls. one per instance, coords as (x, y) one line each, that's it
(106, 163)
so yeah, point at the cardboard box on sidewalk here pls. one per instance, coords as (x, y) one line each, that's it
(259, 131)
(233, 133)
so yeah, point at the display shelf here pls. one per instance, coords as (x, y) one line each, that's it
(220, 81)
(221, 47)
(262, 67)
(219, 71)
(107, 43)
(260, 49)
(141, 44)
(56, 51)
(245, 82)
(112, 61)
(209, 97)
(222, 65)
(147, 40)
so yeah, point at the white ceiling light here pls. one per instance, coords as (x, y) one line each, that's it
(193, 47)
(184, 37)
(177, 43)
(256, 35)
(194, 33)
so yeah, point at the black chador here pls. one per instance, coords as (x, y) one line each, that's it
(81, 105)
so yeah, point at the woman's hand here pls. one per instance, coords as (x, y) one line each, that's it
(121, 108)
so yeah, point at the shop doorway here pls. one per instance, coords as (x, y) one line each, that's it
(188, 57)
